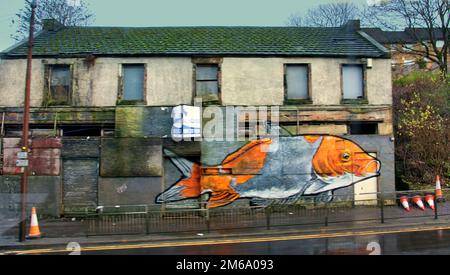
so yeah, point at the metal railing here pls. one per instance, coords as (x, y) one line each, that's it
(157, 219)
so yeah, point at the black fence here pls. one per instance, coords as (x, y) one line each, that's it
(148, 219)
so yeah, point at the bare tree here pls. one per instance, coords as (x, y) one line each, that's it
(326, 15)
(295, 20)
(427, 21)
(67, 12)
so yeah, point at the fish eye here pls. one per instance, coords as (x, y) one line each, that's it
(346, 156)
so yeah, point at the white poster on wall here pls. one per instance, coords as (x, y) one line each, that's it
(187, 122)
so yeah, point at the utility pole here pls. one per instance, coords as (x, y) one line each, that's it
(26, 127)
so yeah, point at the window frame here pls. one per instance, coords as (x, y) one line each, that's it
(207, 61)
(219, 86)
(364, 99)
(440, 43)
(48, 100)
(120, 98)
(289, 101)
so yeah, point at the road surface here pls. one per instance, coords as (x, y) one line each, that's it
(406, 241)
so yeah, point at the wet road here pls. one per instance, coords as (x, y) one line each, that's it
(412, 243)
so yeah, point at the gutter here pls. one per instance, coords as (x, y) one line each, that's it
(194, 54)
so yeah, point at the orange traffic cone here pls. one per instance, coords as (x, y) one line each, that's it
(430, 201)
(404, 201)
(439, 195)
(35, 232)
(419, 202)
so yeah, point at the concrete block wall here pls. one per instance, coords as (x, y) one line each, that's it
(44, 193)
(81, 184)
(384, 146)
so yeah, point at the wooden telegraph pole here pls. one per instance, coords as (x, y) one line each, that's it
(26, 127)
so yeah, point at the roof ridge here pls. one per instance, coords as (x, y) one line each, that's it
(198, 40)
(374, 43)
(199, 26)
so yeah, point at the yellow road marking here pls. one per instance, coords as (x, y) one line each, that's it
(230, 241)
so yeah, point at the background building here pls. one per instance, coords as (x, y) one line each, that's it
(402, 45)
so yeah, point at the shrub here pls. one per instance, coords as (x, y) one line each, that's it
(415, 76)
(421, 118)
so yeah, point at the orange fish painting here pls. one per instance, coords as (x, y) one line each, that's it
(266, 170)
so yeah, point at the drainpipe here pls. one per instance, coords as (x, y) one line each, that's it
(26, 126)
(2, 129)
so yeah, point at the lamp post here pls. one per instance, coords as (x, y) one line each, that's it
(26, 127)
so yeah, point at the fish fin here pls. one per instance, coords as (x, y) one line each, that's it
(312, 139)
(169, 153)
(326, 197)
(219, 199)
(249, 159)
(247, 148)
(187, 188)
(292, 199)
(259, 202)
(184, 165)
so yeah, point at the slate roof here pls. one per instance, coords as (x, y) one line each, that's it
(408, 36)
(191, 41)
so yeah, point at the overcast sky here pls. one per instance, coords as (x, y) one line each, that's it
(177, 13)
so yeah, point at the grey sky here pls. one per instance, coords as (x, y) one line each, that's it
(177, 13)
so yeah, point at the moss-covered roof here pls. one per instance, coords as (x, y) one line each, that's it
(286, 41)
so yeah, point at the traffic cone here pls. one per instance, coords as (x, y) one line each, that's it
(419, 202)
(35, 232)
(430, 201)
(404, 201)
(439, 194)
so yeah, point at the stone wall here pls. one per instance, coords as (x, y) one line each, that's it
(170, 81)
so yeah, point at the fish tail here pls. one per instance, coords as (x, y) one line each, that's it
(188, 188)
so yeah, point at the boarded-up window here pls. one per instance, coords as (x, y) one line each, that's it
(133, 82)
(131, 157)
(297, 82)
(353, 81)
(60, 83)
(80, 179)
(208, 81)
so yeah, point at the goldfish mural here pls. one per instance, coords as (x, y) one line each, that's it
(303, 166)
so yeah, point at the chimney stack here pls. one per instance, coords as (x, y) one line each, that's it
(51, 25)
(353, 25)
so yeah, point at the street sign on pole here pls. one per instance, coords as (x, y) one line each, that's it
(22, 163)
(22, 155)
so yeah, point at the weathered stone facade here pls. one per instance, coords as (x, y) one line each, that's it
(245, 81)
(99, 132)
